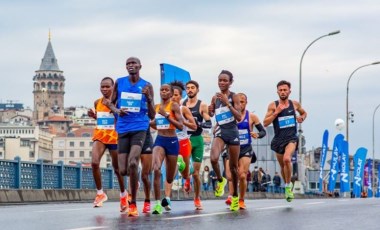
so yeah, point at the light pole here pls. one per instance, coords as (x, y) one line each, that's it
(373, 151)
(300, 144)
(348, 82)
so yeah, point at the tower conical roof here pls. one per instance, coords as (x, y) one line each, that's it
(49, 62)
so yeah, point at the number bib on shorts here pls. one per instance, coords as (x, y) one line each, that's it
(131, 101)
(244, 136)
(162, 122)
(105, 120)
(286, 122)
(224, 115)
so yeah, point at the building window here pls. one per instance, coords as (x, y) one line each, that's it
(31, 154)
(61, 154)
(71, 153)
(81, 153)
(90, 154)
(24, 143)
(1, 154)
(91, 143)
(71, 143)
(81, 144)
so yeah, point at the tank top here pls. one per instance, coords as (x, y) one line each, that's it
(105, 125)
(182, 134)
(130, 97)
(197, 117)
(245, 130)
(285, 124)
(161, 121)
(223, 114)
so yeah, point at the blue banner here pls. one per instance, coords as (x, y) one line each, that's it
(334, 164)
(344, 168)
(325, 147)
(370, 192)
(359, 161)
(378, 184)
(170, 73)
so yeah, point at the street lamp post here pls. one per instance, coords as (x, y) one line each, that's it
(300, 145)
(373, 151)
(348, 82)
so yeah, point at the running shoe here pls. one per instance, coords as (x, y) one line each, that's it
(133, 210)
(166, 204)
(187, 185)
(124, 203)
(99, 199)
(198, 204)
(242, 204)
(157, 208)
(181, 163)
(219, 191)
(146, 208)
(289, 196)
(234, 203)
(228, 201)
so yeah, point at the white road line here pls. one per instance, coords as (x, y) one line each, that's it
(321, 202)
(274, 207)
(62, 210)
(89, 228)
(198, 215)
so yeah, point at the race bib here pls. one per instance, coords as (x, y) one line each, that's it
(224, 115)
(105, 120)
(286, 122)
(131, 101)
(162, 122)
(244, 136)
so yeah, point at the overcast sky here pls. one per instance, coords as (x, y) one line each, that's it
(261, 43)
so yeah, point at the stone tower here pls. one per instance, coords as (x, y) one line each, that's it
(48, 87)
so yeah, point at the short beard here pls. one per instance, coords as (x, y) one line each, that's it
(192, 96)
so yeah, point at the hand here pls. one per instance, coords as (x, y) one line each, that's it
(122, 112)
(211, 108)
(254, 135)
(300, 119)
(106, 102)
(91, 113)
(146, 92)
(222, 97)
(279, 109)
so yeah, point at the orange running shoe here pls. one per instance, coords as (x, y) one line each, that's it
(124, 203)
(198, 204)
(99, 199)
(187, 185)
(133, 210)
(228, 201)
(146, 208)
(242, 204)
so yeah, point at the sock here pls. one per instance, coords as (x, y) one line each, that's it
(147, 200)
(123, 194)
(99, 192)
(167, 198)
(221, 180)
(286, 184)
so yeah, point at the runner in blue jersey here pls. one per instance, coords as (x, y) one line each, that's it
(282, 114)
(133, 97)
(225, 105)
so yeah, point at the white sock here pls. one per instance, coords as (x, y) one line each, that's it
(99, 192)
(167, 198)
(123, 194)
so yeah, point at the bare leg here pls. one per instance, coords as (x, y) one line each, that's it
(158, 158)
(244, 163)
(197, 179)
(98, 149)
(234, 151)
(146, 162)
(216, 149)
(115, 165)
(133, 164)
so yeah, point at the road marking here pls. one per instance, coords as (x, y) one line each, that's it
(315, 203)
(198, 215)
(88, 228)
(62, 210)
(274, 207)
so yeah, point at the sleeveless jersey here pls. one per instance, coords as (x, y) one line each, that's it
(285, 124)
(223, 114)
(130, 97)
(245, 131)
(161, 121)
(105, 124)
(182, 134)
(197, 117)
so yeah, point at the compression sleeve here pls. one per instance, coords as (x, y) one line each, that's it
(206, 124)
(261, 130)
